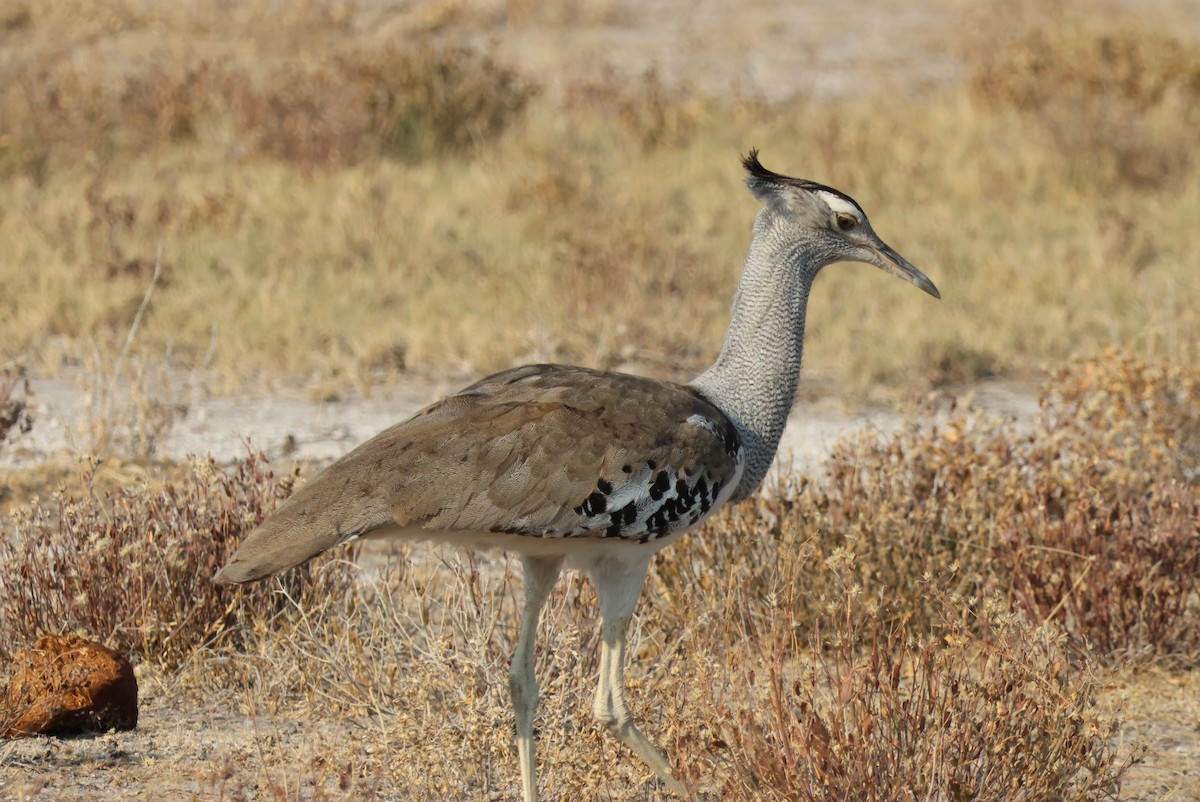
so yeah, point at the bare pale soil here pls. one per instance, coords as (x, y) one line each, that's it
(210, 749)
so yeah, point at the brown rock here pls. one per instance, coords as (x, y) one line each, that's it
(66, 685)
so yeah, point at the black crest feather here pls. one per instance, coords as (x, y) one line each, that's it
(762, 176)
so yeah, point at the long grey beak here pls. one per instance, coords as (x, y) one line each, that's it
(900, 267)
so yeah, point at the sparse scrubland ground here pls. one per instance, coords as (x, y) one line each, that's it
(196, 198)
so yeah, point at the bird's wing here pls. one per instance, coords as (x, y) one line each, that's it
(540, 451)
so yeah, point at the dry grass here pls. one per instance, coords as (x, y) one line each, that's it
(28, 486)
(1114, 99)
(457, 218)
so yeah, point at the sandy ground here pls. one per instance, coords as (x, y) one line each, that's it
(190, 752)
(292, 425)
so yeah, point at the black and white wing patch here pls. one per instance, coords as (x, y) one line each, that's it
(669, 492)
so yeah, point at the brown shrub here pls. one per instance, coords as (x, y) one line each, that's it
(428, 101)
(133, 567)
(1120, 576)
(329, 107)
(1090, 518)
(982, 708)
(1108, 541)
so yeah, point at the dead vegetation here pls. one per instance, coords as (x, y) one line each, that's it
(360, 163)
(132, 565)
(1089, 519)
(985, 708)
(311, 96)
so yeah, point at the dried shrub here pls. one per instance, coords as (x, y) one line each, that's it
(52, 103)
(133, 567)
(332, 106)
(1121, 577)
(305, 114)
(1090, 518)
(14, 404)
(886, 709)
(1108, 539)
(428, 101)
(1061, 61)
(168, 101)
(921, 502)
(930, 603)
(955, 364)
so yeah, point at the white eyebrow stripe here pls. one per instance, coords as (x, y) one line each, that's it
(839, 204)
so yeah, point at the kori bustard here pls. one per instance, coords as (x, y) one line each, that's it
(591, 469)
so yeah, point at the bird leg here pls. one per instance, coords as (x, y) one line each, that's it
(610, 708)
(540, 575)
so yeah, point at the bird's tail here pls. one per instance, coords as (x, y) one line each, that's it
(327, 511)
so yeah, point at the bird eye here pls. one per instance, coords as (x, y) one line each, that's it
(845, 222)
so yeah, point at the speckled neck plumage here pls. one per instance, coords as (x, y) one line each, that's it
(754, 380)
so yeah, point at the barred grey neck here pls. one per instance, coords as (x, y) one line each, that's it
(754, 380)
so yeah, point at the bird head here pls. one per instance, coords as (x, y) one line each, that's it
(833, 219)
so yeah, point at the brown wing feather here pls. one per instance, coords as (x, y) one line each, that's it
(522, 451)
